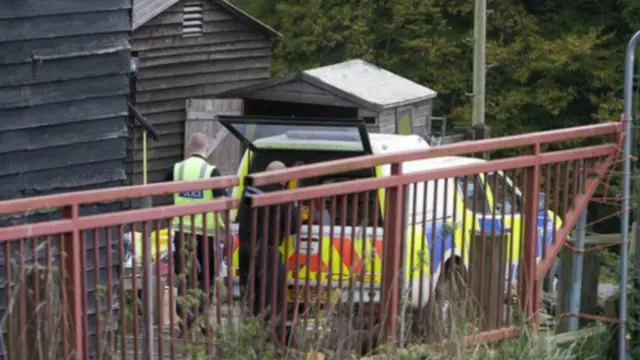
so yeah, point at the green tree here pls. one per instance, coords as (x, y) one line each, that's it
(553, 64)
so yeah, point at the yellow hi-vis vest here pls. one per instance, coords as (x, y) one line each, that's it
(195, 168)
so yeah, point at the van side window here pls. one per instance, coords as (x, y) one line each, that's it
(503, 193)
(474, 193)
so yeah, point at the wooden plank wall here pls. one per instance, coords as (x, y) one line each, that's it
(63, 90)
(64, 83)
(421, 118)
(230, 53)
(387, 122)
(421, 112)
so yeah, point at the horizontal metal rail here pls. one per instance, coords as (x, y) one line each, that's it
(371, 184)
(352, 255)
(466, 147)
(112, 194)
(114, 219)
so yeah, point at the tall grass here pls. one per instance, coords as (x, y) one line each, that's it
(335, 337)
(33, 321)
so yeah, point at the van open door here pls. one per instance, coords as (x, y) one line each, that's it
(264, 133)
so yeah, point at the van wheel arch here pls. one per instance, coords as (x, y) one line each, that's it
(432, 316)
(454, 262)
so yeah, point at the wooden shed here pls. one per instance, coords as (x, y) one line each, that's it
(64, 83)
(387, 102)
(189, 49)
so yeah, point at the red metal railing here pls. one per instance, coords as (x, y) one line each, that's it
(412, 247)
(524, 171)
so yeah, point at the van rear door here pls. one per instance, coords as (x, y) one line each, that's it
(264, 133)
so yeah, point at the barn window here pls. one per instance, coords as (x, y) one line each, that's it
(192, 18)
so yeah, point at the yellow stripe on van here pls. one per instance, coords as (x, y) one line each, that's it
(381, 201)
(418, 260)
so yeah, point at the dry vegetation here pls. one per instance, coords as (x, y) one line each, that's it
(335, 336)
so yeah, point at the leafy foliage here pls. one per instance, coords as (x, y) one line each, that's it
(633, 305)
(552, 64)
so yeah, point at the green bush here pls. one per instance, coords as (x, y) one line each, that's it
(540, 346)
(633, 306)
(633, 316)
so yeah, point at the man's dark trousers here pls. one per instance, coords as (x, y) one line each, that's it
(263, 272)
(183, 256)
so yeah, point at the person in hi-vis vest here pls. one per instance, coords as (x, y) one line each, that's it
(188, 228)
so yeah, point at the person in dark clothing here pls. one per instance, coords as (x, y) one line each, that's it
(263, 269)
(195, 167)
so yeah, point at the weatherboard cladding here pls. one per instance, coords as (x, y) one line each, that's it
(63, 109)
(233, 50)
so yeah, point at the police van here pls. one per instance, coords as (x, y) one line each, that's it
(341, 251)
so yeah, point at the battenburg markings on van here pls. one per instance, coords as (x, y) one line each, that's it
(198, 194)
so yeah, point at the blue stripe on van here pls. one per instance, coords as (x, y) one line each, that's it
(444, 238)
(542, 238)
(438, 242)
(488, 224)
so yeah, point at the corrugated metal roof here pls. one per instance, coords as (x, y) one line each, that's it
(371, 83)
(145, 10)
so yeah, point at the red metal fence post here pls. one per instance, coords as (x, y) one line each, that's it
(529, 291)
(391, 263)
(73, 289)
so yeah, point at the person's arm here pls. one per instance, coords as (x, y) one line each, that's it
(220, 192)
(168, 176)
(244, 223)
(295, 217)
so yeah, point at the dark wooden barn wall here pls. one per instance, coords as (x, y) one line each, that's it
(230, 53)
(63, 106)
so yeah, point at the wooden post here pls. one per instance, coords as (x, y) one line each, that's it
(478, 132)
(590, 280)
(488, 256)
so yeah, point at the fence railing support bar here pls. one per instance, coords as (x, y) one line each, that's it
(572, 216)
(576, 271)
(391, 258)
(148, 349)
(529, 286)
(73, 341)
(626, 192)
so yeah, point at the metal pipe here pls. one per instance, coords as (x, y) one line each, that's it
(479, 61)
(147, 301)
(626, 190)
(578, 259)
(147, 314)
(144, 157)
